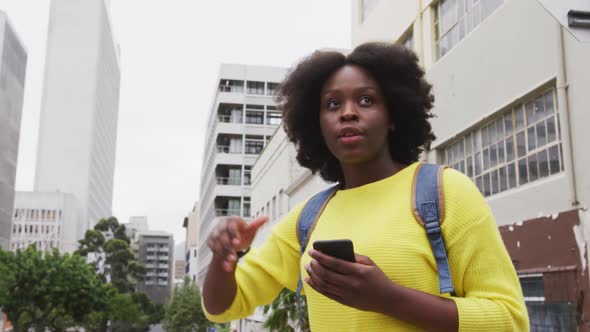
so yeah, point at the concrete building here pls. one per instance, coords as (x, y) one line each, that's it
(242, 119)
(511, 106)
(135, 226)
(156, 252)
(13, 63)
(78, 130)
(47, 219)
(191, 223)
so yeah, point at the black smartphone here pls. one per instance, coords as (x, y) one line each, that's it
(342, 249)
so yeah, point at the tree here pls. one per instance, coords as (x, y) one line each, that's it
(127, 309)
(284, 315)
(184, 312)
(48, 290)
(112, 258)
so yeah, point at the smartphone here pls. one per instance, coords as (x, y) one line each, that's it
(341, 249)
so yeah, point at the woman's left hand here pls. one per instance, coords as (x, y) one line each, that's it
(361, 285)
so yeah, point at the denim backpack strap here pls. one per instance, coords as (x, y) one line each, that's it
(307, 219)
(428, 207)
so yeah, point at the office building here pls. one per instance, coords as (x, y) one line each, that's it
(47, 219)
(78, 125)
(13, 63)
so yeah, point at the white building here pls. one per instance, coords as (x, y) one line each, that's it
(511, 102)
(49, 220)
(191, 223)
(242, 119)
(13, 63)
(78, 130)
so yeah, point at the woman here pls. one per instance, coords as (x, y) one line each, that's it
(362, 120)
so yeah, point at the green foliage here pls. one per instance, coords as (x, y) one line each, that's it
(48, 290)
(284, 314)
(184, 312)
(127, 309)
(120, 267)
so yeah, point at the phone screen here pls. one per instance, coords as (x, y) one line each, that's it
(342, 249)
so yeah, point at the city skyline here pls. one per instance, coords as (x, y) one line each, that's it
(166, 70)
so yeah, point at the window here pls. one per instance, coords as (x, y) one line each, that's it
(246, 207)
(533, 287)
(521, 145)
(231, 86)
(454, 19)
(255, 114)
(254, 144)
(255, 88)
(247, 175)
(273, 118)
(271, 88)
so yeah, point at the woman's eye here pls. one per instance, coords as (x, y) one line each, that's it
(333, 103)
(366, 101)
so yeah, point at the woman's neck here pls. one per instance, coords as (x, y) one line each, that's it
(356, 175)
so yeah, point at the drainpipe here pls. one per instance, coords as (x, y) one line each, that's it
(564, 115)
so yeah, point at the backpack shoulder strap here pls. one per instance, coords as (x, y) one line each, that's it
(310, 214)
(306, 223)
(428, 206)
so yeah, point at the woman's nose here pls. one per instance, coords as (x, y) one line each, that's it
(349, 112)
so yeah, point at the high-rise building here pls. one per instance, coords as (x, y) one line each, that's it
(156, 253)
(242, 119)
(13, 63)
(78, 130)
(191, 224)
(47, 219)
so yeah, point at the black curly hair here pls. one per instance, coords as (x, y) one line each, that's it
(407, 94)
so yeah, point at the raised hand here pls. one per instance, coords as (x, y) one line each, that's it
(231, 235)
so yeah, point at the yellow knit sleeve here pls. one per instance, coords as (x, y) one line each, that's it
(489, 296)
(265, 271)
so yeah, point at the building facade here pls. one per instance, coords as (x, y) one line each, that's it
(156, 253)
(48, 220)
(191, 224)
(78, 130)
(136, 225)
(242, 119)
(13, 63)
(511, 108)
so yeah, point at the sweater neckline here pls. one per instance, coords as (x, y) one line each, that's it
(376, 185)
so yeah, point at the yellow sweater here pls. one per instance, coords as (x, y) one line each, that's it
(377, 217)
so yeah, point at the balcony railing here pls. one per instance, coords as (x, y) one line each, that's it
(226, 149)
(228, 119)
(232, 181)
(227, 212)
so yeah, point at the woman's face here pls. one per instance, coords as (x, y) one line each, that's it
(353, 116)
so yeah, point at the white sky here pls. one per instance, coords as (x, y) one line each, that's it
(170, 56)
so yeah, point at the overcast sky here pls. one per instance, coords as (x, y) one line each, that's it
(179, 44)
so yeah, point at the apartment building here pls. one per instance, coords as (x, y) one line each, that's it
(242, 119)
(156, 253)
